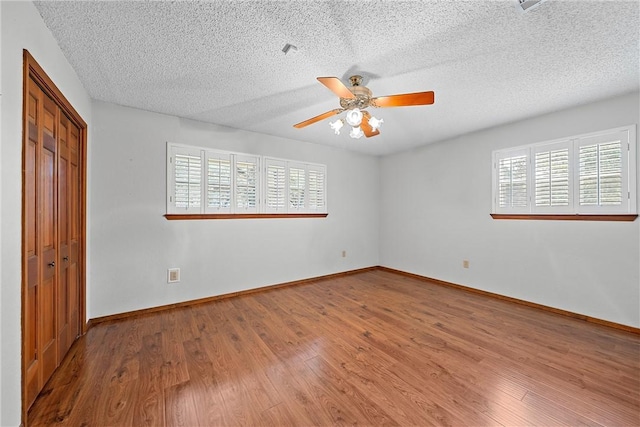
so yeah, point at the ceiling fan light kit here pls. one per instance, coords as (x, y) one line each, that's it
(355, 99)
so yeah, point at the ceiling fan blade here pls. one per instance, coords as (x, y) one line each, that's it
(405, 99)
(318, 118)
(336, 86)
(366, 127)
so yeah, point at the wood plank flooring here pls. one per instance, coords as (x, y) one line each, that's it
(371, 348)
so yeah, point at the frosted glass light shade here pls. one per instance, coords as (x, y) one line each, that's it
(354, 117)
(375, 123)
(356, 132)
(336, 126)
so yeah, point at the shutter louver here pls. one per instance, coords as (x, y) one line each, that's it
(187, 183)
(552, 178)
(512, 182)
(316, 190)
(218, 184)
(600, 178)
(276, 186)
(246, 185)
(296, 188)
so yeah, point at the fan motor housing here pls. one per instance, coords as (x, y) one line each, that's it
(361, 101)
(362, 95)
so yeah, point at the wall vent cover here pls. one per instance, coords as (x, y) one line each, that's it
(525, 5)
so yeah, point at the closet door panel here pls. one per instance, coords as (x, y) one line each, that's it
(74, 216)
(30, 244)
(47, 303)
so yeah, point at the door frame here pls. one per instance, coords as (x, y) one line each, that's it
(31, 69)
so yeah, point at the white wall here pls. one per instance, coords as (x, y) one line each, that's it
(0, 216)
(132, 245)
(21, 28)
(435, 206)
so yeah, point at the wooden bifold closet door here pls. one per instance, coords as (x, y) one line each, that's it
(53, 304)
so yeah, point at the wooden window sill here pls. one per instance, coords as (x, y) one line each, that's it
(615, 217)
(173, 217)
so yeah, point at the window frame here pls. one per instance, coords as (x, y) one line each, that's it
(246, 159)
(627, 170)
(498, 157)
(549, 148)
(270, 207)
(221, 157)
(307, 167)
(171, 182)
(627, 210)
(234, 210)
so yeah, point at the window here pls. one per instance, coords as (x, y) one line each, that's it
(219, 187)
(551, 179)
(204, 181)
(512, 181)
(586, 174)
(276, 185)
(187, 180)
(247, 180)
(295, 187)
(316, 188)
(603, 177)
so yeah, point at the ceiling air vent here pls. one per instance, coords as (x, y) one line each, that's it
(525, 5)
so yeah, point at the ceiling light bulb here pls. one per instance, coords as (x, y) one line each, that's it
(336, 126)
(354, 117)
(356, 132)
(375, 123)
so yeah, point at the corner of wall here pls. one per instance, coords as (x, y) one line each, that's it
(21, 28)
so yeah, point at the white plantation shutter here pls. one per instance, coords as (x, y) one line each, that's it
(585, 174)
(603, 176)
(205, 181)
(185, 180)
(292, 187)
(317, 189)
(552, 182)
(512, 179)
(297, 187)
(276, 185)
(188, 174)
(219, 180)
(247, 184)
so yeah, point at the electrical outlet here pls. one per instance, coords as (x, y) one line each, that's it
(465, 263)
(344, 254)
(173, 275)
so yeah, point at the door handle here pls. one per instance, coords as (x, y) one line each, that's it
(65, 258)
(52, 264)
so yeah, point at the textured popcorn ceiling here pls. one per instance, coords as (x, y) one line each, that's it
(222, 61)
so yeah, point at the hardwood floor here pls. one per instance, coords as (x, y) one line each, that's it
(371, 348)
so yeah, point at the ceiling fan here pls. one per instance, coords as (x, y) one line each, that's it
(355, 99)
